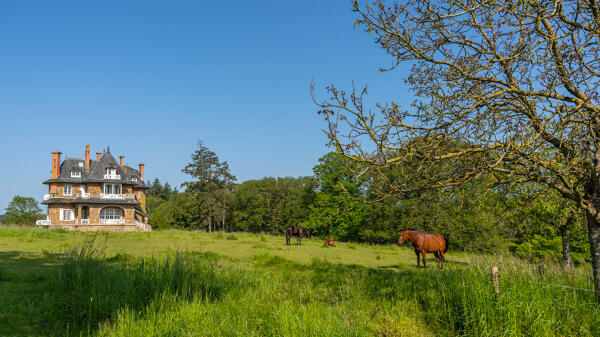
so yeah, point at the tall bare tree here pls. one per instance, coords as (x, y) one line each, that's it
(516, 82)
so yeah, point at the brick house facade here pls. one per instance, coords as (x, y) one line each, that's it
(90, 195)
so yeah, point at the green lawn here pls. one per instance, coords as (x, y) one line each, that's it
(173, 283)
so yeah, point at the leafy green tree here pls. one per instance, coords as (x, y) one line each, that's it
(210, 189)
(338, 209)
(23, 211)
(271, 204)
(516, 81)
(161, 191)
(544, 225)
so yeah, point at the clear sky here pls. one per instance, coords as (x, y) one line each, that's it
(150, 78)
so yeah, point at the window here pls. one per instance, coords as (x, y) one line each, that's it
(133, 179)
(112, 189)
(76, 174)
(110, 214)
(111, 171)
(67, 190)
(80, 164)
(66, 214)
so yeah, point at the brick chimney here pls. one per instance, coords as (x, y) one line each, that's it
(98, 155)
(122, 158)
(87, 157)
(142, 170)
(55, 164)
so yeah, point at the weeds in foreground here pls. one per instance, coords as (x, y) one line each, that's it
(89, 289)
(194, 293)
(200, 293)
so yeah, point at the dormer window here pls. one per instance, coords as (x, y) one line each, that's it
(133, 179)
(75, 174)
(80, 164)
(111, 173)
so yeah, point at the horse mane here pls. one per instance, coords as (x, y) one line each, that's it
(412, 230)
(445, 239)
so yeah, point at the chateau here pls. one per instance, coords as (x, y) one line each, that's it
(101, 194)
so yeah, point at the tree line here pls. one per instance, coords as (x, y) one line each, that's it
(335, 201)
(516, 83)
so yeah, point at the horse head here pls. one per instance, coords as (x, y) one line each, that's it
(403, 237)
(308, 232)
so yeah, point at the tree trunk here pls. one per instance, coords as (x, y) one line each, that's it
(566, 248)
(223, 218)
(594, 237)
(210, 223)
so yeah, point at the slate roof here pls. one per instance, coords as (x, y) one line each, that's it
(142, 213)
(97, 171)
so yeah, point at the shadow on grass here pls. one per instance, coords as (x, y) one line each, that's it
(80, 291)
(24, 289)
(430, 264)
(460, 298)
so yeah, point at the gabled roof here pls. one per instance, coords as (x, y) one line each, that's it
(128, 175)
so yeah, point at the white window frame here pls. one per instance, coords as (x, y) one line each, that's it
(75, 174)
(111, 171)
(69, 188)
(111, 214)
(71, 214)
(133, 179)
(112, 189)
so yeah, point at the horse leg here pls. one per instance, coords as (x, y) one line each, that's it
(443, 259)
(418, 258)
(424, 265)
(437, 258)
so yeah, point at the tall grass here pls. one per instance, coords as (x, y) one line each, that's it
(555, 302)
(351, 300)
(89, 289)
(204, 294)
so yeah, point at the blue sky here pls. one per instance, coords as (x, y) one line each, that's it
(150, 78)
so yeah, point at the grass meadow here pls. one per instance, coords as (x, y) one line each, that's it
(177, 283)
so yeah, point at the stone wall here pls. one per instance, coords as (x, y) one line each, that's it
(128, 213)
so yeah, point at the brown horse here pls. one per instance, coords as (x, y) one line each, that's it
(329, 242)
(425, 243)
(297, 231)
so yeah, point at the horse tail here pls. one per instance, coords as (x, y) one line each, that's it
(446, 248)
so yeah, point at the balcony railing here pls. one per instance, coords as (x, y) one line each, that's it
(112, 221)
(84, 195)
(46, 222)
(112, 176)
(117, 196)
(142, 225)
(111, 196)
(46, 197)
(85, 221)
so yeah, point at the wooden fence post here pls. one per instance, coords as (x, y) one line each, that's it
(495, 282)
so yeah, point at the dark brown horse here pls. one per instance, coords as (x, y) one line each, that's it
(425, 243)
(296, 231)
